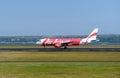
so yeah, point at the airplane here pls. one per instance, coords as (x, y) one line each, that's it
(64, 42)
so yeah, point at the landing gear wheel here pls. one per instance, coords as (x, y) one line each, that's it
(65, 47)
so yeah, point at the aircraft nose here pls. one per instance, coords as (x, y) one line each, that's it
(38, 42)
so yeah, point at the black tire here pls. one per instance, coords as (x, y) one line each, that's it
(65, 47)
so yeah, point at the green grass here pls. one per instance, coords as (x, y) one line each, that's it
(60, 70)
(59, 56)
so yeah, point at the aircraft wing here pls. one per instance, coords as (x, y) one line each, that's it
(66, 43)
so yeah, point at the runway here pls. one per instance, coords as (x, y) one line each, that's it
(61, 49)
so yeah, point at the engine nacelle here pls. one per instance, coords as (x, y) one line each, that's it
(57, 45)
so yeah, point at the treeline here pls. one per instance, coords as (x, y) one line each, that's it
(104, 39)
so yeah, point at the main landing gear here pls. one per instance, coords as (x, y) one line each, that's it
(65, 47)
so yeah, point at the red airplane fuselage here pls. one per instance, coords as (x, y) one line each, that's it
(59, 42)
(64, 42)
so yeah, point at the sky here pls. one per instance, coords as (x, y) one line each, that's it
(58, 17)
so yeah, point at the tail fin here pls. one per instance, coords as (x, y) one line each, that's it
(91, 37)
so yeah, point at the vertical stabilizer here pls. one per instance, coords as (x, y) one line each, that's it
(91, 37)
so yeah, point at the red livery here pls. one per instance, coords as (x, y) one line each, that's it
(64, 42)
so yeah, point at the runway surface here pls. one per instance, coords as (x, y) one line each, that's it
(62, 49)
